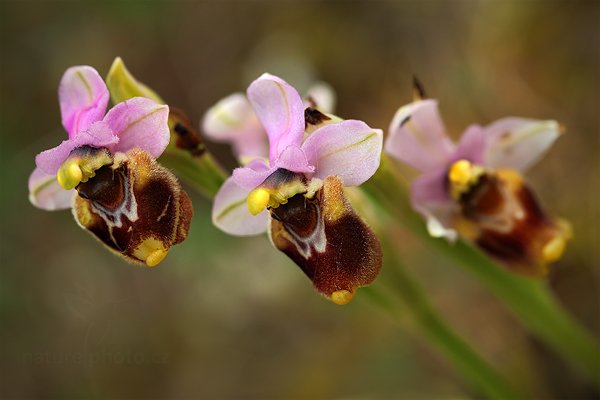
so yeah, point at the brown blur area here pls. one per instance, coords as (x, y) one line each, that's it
(228, 318)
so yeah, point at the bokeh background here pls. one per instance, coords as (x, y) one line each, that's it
(227, 317)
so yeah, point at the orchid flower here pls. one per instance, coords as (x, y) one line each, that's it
(297, 193)
(106, 170)
(475, 188)
(233, 120)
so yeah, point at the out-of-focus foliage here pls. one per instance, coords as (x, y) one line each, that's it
(228, 317)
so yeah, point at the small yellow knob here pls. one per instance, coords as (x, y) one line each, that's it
(462, 176)
(460, 172)
(151, 251)
(342, 297)
(69, 174)
(156, 257)
(257, 200)
(554, 249)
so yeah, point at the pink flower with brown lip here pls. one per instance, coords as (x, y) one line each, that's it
(296, 194)
(475, 188)
(106, 171)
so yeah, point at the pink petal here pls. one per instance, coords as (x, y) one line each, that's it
(518, 142)
(293, 159)
(323, 97)
(252, 146)
(349, 149)
(280, 110)
(230, 212)
(417, 136)
(97, 135)
(430, 198)
(252, 175)
(83, 98)
(225, 120)
(46, 193)
(472, 145)
(232, 120)
(430, 188)
(50, 160)
(140, 122)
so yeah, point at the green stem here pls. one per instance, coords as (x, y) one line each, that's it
(530, 300)
(535, 305)
(431, 325)
(203, 173)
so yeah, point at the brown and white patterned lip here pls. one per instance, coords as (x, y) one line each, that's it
(504, 217)
(135, 207)
(332, 245)
(303, 221)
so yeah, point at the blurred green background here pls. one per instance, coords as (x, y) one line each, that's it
(226, 317)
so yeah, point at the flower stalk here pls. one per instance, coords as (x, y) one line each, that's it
(187, 154)
(203, 173)
(428, 323)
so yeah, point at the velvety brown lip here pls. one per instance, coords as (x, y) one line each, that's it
(133, 201)
(510, 224)
(336, 250)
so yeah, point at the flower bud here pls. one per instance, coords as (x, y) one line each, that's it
(123, 86)
(186, 136)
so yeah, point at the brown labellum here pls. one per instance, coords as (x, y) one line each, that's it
(503, 217)
(330, 243)
(135, 207)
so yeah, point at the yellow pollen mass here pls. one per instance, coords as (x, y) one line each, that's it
(156, 257)
(460, 172)
(554, 249)
(69, 174)
(462, 175)
(342, 297)
(257, 200)
(151, 251)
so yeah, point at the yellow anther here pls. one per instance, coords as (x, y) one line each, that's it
(554, 249)
(81, 166)
(462, 175)
(69, 174)
(156, 257)
(257, 200)
(460, 172)
(342, 297)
